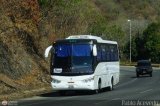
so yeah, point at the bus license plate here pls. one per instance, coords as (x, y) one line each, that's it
(70, 86)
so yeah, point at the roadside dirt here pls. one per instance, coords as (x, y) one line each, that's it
(16, 89)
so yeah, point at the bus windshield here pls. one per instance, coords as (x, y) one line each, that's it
(73, 59)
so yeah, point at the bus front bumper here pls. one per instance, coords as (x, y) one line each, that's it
(79, 85)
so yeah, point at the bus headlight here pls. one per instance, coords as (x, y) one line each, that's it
(55, 80)
(88, 79)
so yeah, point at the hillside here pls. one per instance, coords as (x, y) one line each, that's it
(21, 47)
(27, 27)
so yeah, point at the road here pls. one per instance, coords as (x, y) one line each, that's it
(130, 91)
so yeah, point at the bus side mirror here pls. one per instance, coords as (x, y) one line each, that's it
(94, 50)
(47, 51)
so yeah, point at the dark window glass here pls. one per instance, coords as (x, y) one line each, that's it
(73, 59)
(99, 50)
(107, 52)
(103, 53)
(73, 50)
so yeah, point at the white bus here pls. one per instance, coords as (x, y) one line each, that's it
(84, 62)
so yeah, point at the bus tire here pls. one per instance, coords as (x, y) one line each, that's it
(99, 87)
(112, 85)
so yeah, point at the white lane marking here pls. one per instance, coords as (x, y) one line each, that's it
(146, 91)
(116, 99)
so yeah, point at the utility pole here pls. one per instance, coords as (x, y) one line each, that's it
(130, 42)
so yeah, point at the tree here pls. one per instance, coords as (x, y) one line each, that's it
(147, 45)
(151, 38)
(126, 51)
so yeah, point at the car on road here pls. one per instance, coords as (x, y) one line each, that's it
(144, 67)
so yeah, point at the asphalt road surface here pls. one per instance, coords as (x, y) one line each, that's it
(130, 91)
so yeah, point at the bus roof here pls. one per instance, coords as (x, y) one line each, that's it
(98, 39)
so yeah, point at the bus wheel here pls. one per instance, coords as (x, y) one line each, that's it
(99, 87)
(112, 86)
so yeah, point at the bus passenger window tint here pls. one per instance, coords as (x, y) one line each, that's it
(107, 52)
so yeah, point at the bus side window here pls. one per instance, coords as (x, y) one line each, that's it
(113, 53)
(107, 53)
(103, 56)
(99, 53)
(116, 53)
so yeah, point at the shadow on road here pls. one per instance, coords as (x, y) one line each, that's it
(70, 93)
(143, 76)
(50, 94)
